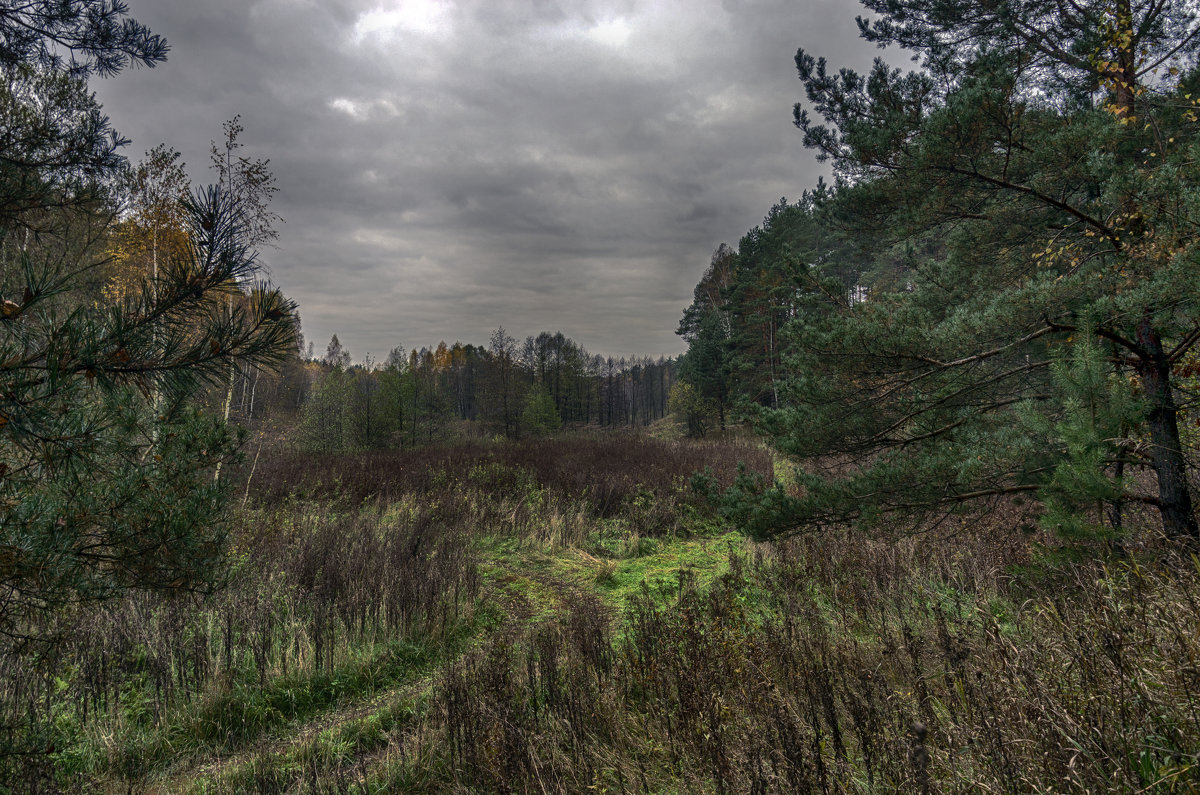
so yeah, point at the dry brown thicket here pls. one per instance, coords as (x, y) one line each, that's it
(833, 663)
(605, 471)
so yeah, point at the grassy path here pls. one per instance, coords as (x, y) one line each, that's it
(525, 585)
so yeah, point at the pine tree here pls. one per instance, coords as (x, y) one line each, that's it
(1028, 190)
(99, 492)
(105, 462)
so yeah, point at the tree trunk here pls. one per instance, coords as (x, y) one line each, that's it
(225, 415)
(253, 392)
(1174, 497)
(1116, 508)
(245, 391)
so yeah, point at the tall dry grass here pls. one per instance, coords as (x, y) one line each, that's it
(345, 576)
(843, 664)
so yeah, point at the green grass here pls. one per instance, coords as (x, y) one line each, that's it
(228, 720)
(700, 560)
(525, 581)
(611, 569)
(326, 753)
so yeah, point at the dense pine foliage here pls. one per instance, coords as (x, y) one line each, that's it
(999, 294)
(107, 467)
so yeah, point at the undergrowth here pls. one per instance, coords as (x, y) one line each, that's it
(488, 619)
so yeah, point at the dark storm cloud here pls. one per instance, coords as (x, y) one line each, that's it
(449, 167)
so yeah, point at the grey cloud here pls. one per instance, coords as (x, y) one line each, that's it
(508, 171)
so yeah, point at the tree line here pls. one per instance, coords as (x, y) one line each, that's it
(998, 296)
(504, 389)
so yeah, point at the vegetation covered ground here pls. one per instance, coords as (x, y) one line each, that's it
(977, 349)
(568, 615)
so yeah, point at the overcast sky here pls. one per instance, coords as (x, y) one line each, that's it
(449, 166)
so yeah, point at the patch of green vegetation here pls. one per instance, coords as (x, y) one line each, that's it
(674, 561)
(1005, 614)
(226, 720)
(325, 756)
(527, 598)
(626, 564)
(667, 429)
(784, 470)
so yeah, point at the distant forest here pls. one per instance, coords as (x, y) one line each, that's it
(505, 389)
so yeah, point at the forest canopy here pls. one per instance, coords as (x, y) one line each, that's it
(998, 295)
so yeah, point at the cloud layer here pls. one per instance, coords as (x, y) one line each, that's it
(449, 167)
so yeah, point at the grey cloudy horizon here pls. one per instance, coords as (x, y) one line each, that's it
(447, 167)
